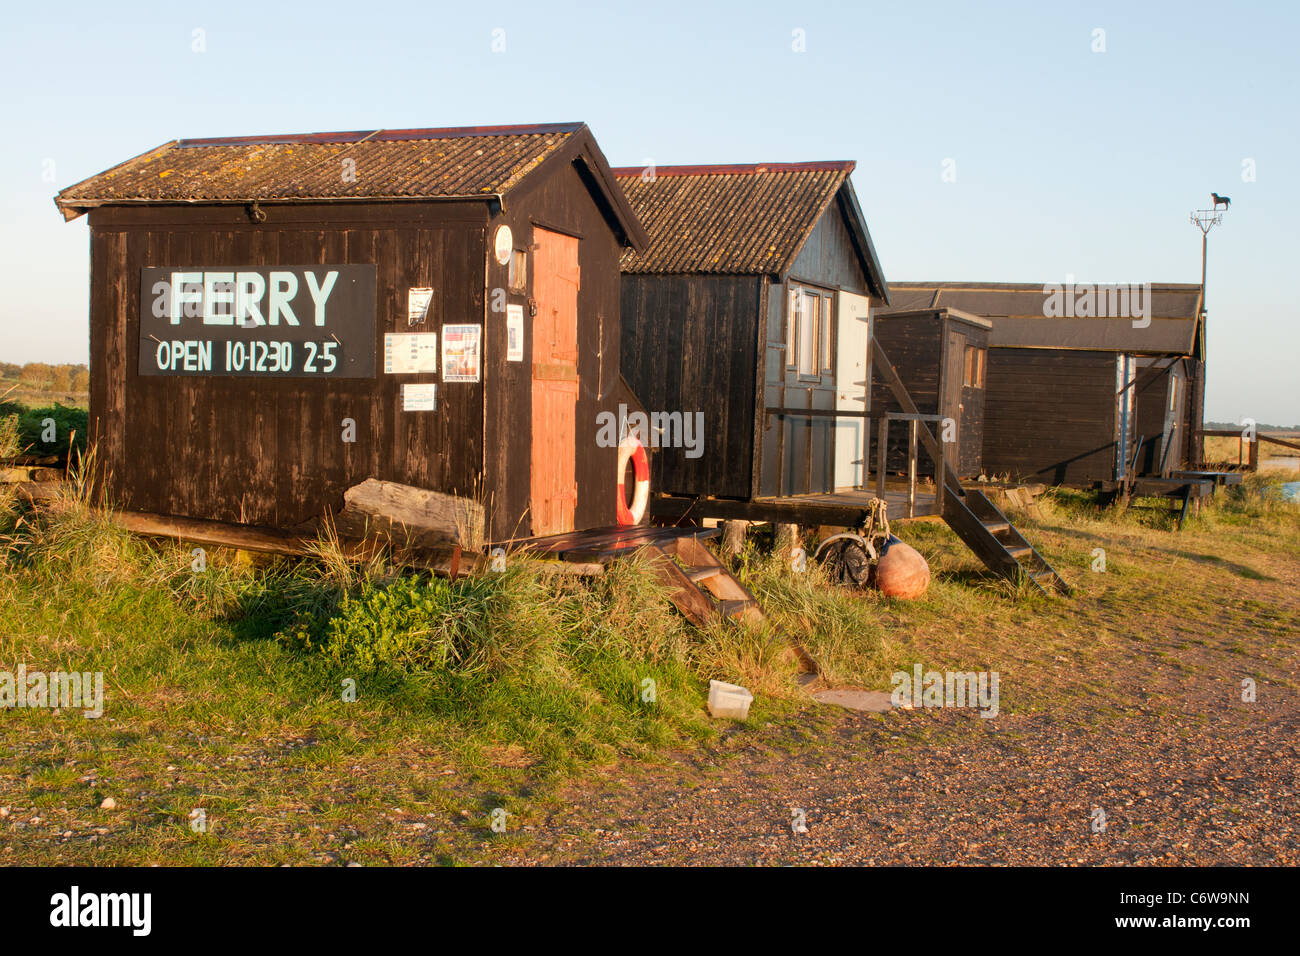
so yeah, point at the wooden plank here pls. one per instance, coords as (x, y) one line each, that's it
(446, 560)
(12, 475)
(800, 511)
(685, 596)
(415, 516)
(604, 543)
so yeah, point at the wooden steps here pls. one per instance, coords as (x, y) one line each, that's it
(969, 512)
(702, 589)
(701, 574)
(700, 586)
(996, 541)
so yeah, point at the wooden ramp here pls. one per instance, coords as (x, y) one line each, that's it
(701, 587)
(976, 520)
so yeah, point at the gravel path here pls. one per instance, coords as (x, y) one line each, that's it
(1183, 771)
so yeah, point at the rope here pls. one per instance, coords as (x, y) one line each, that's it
(877, 527)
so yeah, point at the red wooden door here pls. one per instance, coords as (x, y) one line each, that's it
(555, 381)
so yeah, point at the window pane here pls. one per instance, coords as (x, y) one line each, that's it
(518, 269)
(828, 335)
(791, 324)
(808, 322)
(809, 319)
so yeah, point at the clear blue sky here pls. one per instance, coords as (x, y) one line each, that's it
(1068, 162)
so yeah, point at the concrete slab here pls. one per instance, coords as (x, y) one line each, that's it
(870, 701)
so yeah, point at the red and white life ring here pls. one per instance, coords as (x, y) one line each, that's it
(630, 448)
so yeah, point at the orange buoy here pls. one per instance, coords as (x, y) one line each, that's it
(902, 572)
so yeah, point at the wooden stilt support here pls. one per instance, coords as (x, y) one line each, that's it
(733, 537)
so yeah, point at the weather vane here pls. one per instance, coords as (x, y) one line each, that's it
(1207, 219)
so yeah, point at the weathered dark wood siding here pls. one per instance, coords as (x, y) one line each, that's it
(1195, 412)
(561, 203)
(1153, 396)
(1050, 415)
(717, 344)
(271, 451)
(689, 344)
(974, 409)
(828, 258)
(917, 347)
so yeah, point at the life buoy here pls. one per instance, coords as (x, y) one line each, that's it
(630, 448)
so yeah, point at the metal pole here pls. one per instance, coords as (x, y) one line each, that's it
(1205, 244)
(1198, 423)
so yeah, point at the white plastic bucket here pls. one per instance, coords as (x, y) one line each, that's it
(729, 700)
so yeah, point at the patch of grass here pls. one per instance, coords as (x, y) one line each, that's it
(42, 430)
(225, 688)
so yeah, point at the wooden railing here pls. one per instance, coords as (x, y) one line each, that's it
(914, 420)
(1247, 450)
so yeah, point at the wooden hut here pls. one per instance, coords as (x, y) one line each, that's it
(752, 305)
(1086, 385)
(275, 319)
(942, 356)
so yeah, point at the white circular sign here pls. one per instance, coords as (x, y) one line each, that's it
(505, 243)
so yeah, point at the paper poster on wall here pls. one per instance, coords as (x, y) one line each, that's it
(417, 305)
(514, 333)
(407, 352)
(461, 353)
(419, 397)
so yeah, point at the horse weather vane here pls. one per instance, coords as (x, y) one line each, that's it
(1205, 220)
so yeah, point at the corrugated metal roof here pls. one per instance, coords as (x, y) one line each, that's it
(1020, 316)
(1170, 300)
(737, 220)
(384, 165)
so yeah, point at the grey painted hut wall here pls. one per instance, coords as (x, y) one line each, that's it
(798, 451)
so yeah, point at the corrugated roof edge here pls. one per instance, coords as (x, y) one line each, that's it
(381, 135)
(962, 314)
(846, 165)
(602, 178)
(71, 212)
(1032, 286)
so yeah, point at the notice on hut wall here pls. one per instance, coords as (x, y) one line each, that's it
(417, 305)
(514, 333)
(407, 352)
(313, 321)
(461, 353)
(419, 397)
